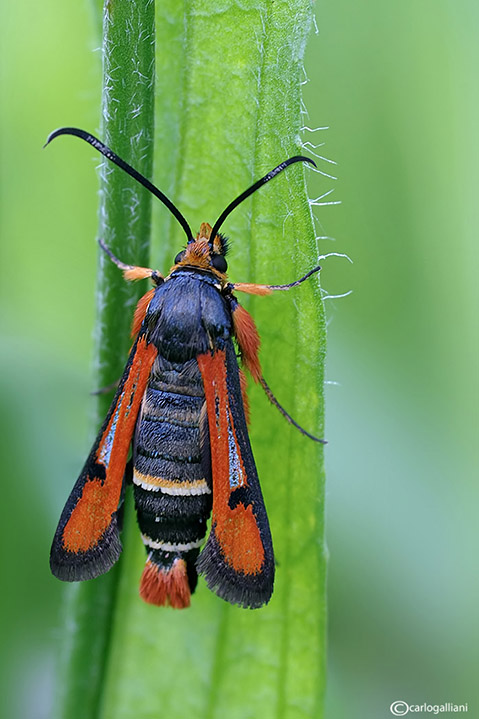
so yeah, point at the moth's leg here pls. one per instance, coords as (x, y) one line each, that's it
(248, 341)
(285, 414)
(253, 289)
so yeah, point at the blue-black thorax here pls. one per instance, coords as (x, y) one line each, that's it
(188, 316)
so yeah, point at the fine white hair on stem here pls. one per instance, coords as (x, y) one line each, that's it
(317, 202)
(324, 174)
(335, 254)
(305, 128)
(303, 108)
(325, 204)
(327, 296)
(324, 237)
(311, 147)
(306, 78)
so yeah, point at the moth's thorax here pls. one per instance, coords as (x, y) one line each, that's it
(197, 274)
(188, 315)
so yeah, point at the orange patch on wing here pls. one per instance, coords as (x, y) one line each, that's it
(168, 587)
(248, 340)
(90, 519)
(140, 311)
(239, 538)
(236, 529)
(100, 497)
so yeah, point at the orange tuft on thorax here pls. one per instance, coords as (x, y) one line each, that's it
(140, 311)
(248, 341)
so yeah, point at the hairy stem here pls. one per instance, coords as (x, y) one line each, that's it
(124, 225)
(228, 109)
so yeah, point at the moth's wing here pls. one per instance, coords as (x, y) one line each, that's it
(87, 542)
(237, 560)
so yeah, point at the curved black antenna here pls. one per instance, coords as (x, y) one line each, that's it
(255, 186)
(95, 142)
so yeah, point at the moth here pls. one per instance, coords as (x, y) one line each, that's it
(181, 409)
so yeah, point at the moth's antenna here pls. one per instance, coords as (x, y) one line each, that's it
(255, 186)
(98, 145)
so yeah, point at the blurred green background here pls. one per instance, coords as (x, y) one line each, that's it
(397, 85)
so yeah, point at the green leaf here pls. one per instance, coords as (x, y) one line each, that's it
(227, 111)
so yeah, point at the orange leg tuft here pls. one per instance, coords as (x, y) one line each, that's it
(252, 289)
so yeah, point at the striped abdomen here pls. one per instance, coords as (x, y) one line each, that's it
(172, 480)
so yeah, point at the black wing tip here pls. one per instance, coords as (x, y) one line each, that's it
(246, 591)
(79, 566)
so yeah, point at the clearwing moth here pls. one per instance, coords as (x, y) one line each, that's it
(181, 406)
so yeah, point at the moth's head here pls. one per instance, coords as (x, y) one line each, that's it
(202, 253)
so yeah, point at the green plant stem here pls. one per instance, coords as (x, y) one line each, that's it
(128, 77)
(228, 104)
(228, 110)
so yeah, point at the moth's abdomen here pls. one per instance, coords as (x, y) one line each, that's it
(172, 482)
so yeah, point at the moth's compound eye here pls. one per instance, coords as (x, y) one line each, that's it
(219, 263)
(179, 257)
